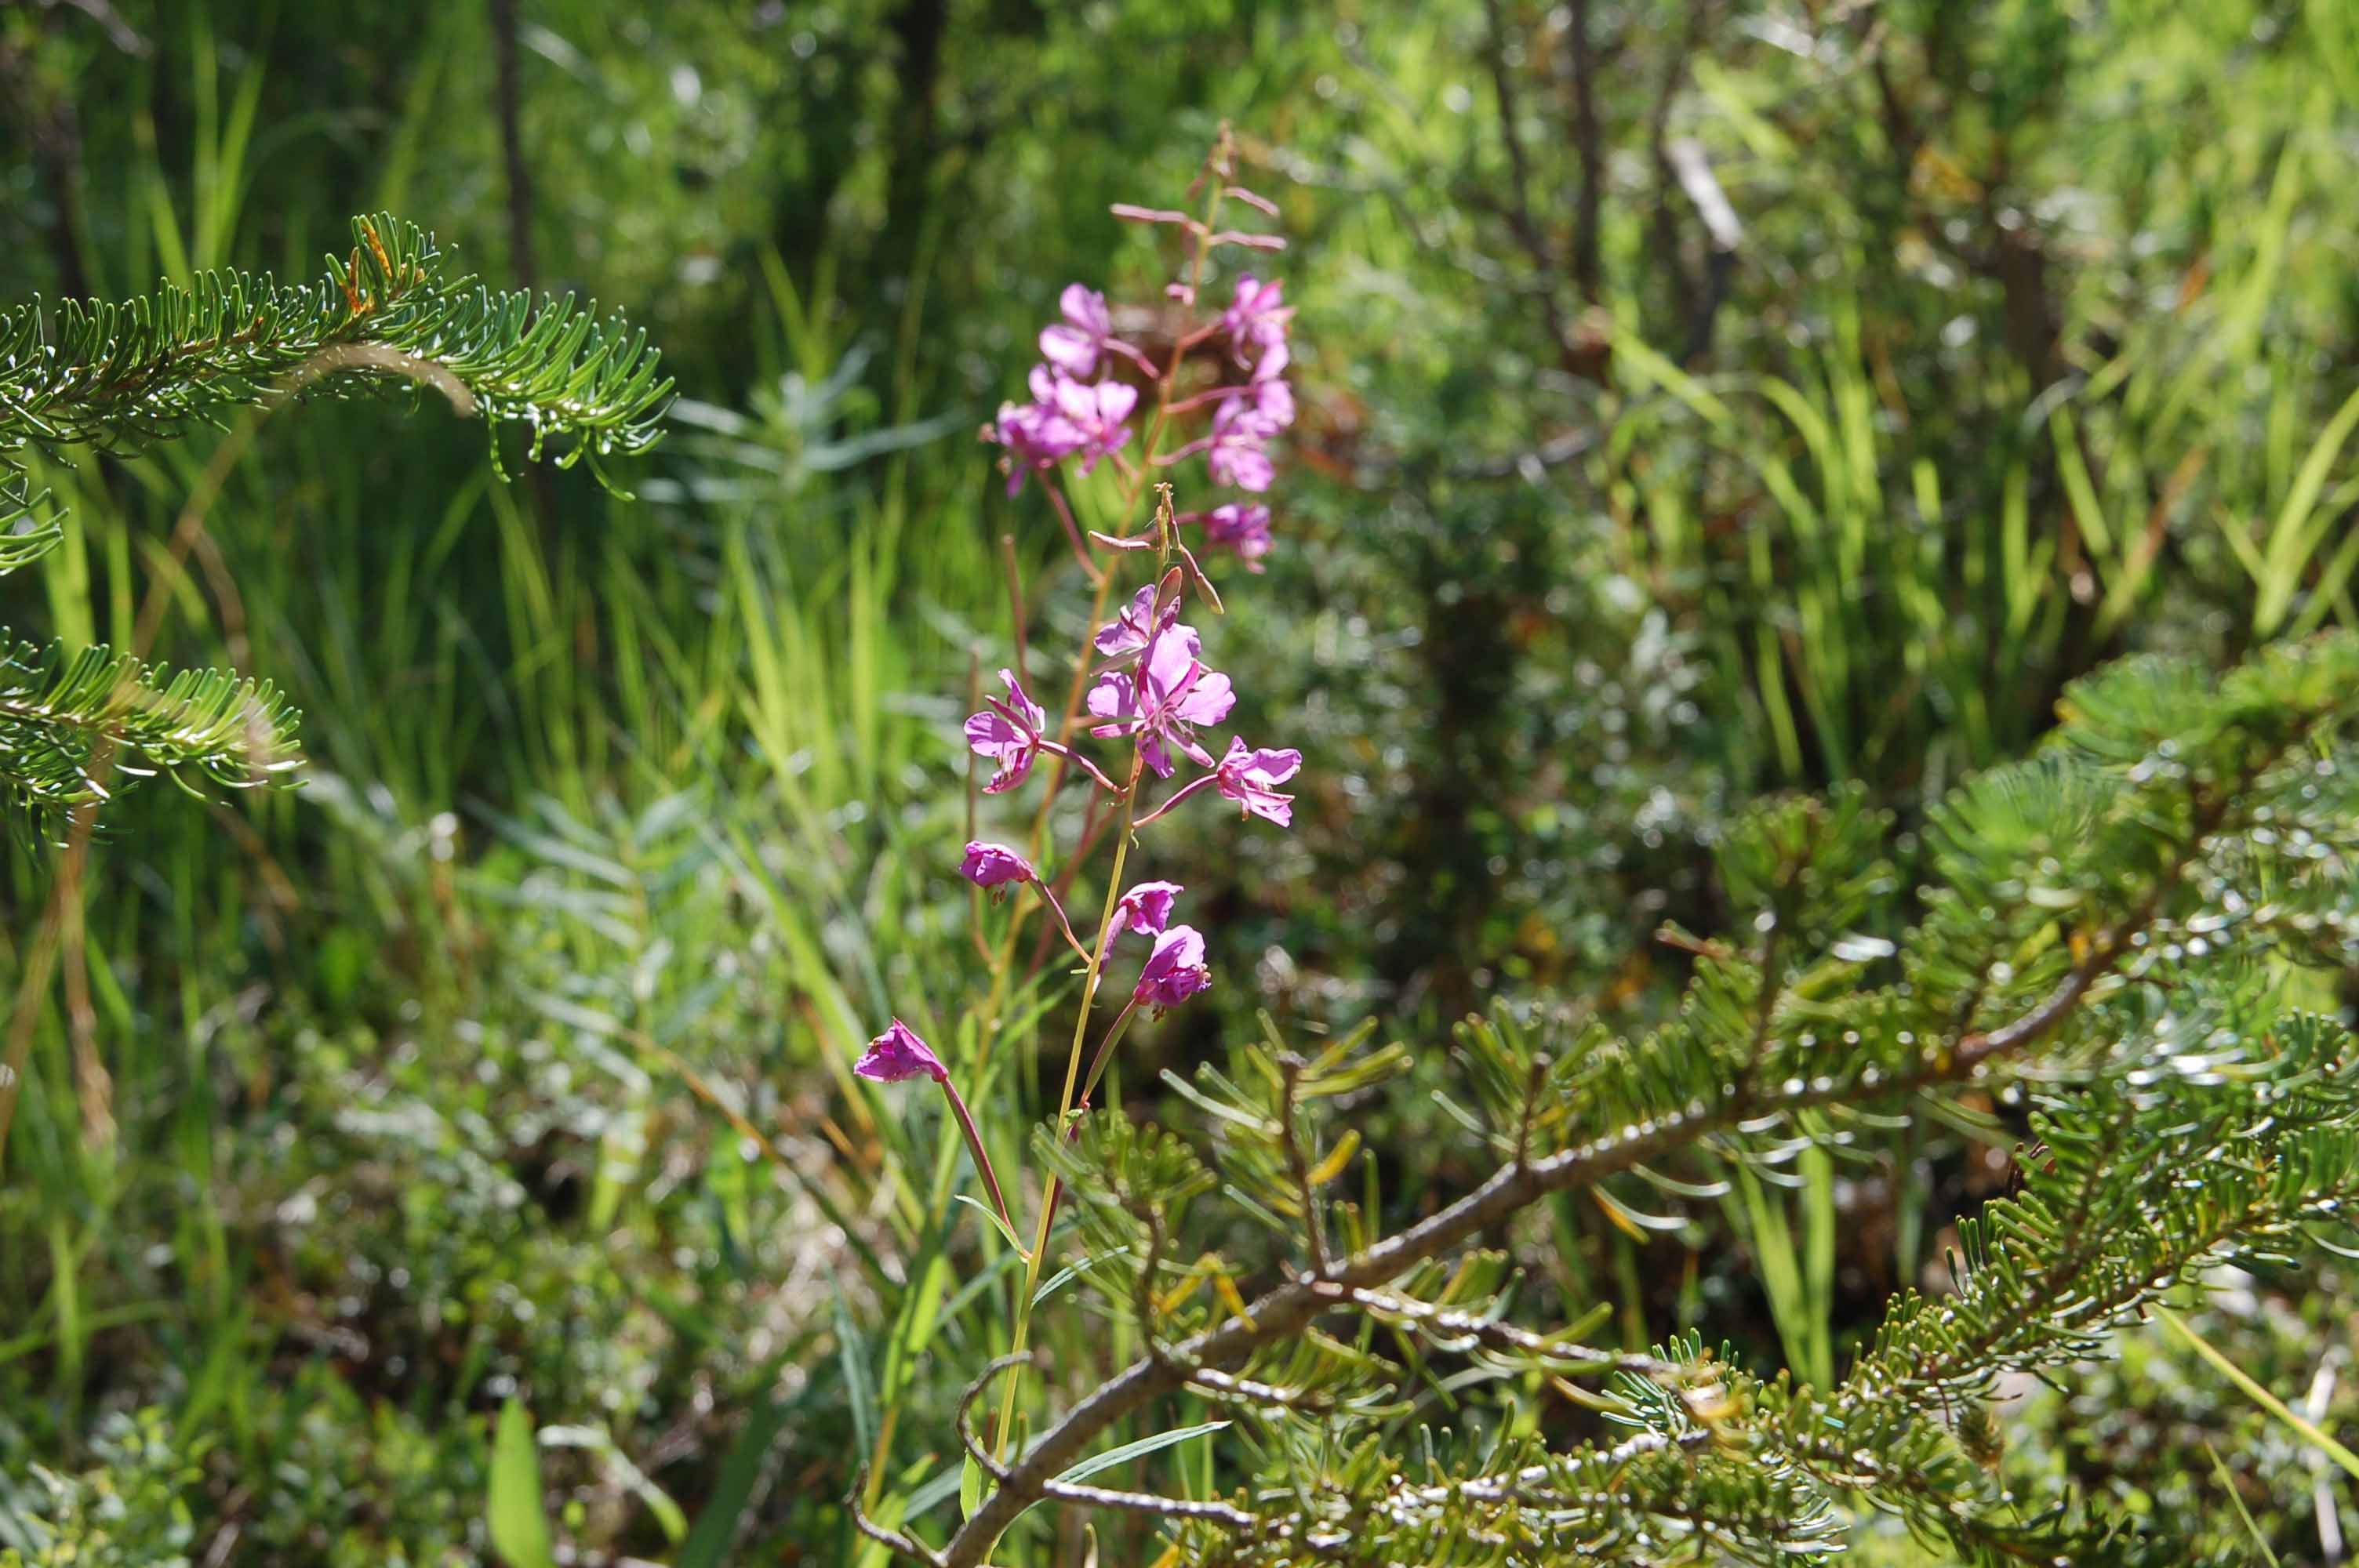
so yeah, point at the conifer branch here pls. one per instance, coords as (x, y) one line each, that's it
(120, 376)
(2034, 959)
(58, 707)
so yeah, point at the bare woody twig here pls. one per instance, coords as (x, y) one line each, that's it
(1588, 151)
(1288, 1309)
(1519, 202)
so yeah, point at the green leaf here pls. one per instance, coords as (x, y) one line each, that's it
(859, 1382)
(716, 1526)
(599, 1441)
(992, 1214)
(519, 1529)
(970, 1488)
(1162, 1440)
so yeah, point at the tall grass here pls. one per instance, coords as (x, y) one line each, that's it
(626, 817)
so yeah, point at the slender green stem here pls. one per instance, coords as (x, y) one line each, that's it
(1021, 1339)
(2260, 1394)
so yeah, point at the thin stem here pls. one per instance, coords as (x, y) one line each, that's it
(1055, 748)
(1090, 568)
(1182, 793)
(1014, 604)
(981, 1156)
(1219, 393)
(1113, 1034)
(1048, 896)
(1022, 1337)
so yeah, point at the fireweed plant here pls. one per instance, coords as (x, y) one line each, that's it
(2095, 954)
(1140, 679)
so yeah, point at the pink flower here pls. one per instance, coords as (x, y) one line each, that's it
(1009, 734)
(1128, 632)
(1074, 343)
(1269, 400)
(1250, 778)
(1146, 908)
(1036, 436)
(994, 865)
(1235, 451)
(1096, 410)
(1257, 315)
(1175, 971)
(1179, 693)
(899, 1053)
(1241, 526)
(1087, 331)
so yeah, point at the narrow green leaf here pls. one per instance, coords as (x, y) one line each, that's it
(970, 1488)
(519, 1529)
(2261, 1396)
(859, 1384)
(716, 1527)
(992, 1214)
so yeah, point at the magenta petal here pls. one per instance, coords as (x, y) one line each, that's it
(1248, 470)
(1175, 971)
(1114, 697)
(1173, 660)
(1024, 707)
(987, 732)
(1085, 307)
(899, 1053)
(1207, 701)
(1240, 526)
(1127, 634)
(1146, 908)
(1251, 777)
(1068, 349)
(1116, 400)
(994, 865)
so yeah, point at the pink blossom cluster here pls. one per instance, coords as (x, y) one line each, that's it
(1081, 408)
(1142, 680)
(1155, 691)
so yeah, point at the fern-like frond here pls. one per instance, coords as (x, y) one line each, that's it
(2100, 939)
(58, 707)
(122, 375)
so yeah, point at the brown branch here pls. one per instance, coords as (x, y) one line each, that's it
(507, 95)
(1217, 1513)
(1519, 1485)
(1288, 1309)
(1519, 204)
(1438, 1321)
(1588, 154)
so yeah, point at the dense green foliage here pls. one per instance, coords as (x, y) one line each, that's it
(505, 1065)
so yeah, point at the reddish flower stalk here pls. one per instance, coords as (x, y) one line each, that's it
(1142, 675)
(899, 1054)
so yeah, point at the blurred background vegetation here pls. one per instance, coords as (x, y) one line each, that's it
(1702, 398)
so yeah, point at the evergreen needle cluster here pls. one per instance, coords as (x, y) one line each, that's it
(2094, 941)
(120, 376)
